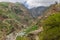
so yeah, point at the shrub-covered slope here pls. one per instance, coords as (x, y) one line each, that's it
(51, 23)
(13, 17)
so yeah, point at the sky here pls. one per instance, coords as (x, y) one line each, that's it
(33, 3)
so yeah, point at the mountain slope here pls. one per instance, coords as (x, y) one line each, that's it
(13, 17)
(38, 11)
(50, 22)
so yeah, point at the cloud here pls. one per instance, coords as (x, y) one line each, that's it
(11, 0)
(35, 3)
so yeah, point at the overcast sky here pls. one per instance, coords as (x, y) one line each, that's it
(34, 3)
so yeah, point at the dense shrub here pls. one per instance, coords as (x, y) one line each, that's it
(51, 27)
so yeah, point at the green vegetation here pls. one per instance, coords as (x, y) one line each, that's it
(15, 17)
(35, 27)
(21, 38)
(51, 27)
(12, 18)
(4, 4)
(8, 19)
(27, 31)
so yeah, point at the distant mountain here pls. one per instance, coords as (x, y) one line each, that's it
(37, 11)
(52, 9)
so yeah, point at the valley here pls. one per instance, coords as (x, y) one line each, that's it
(20, 23)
